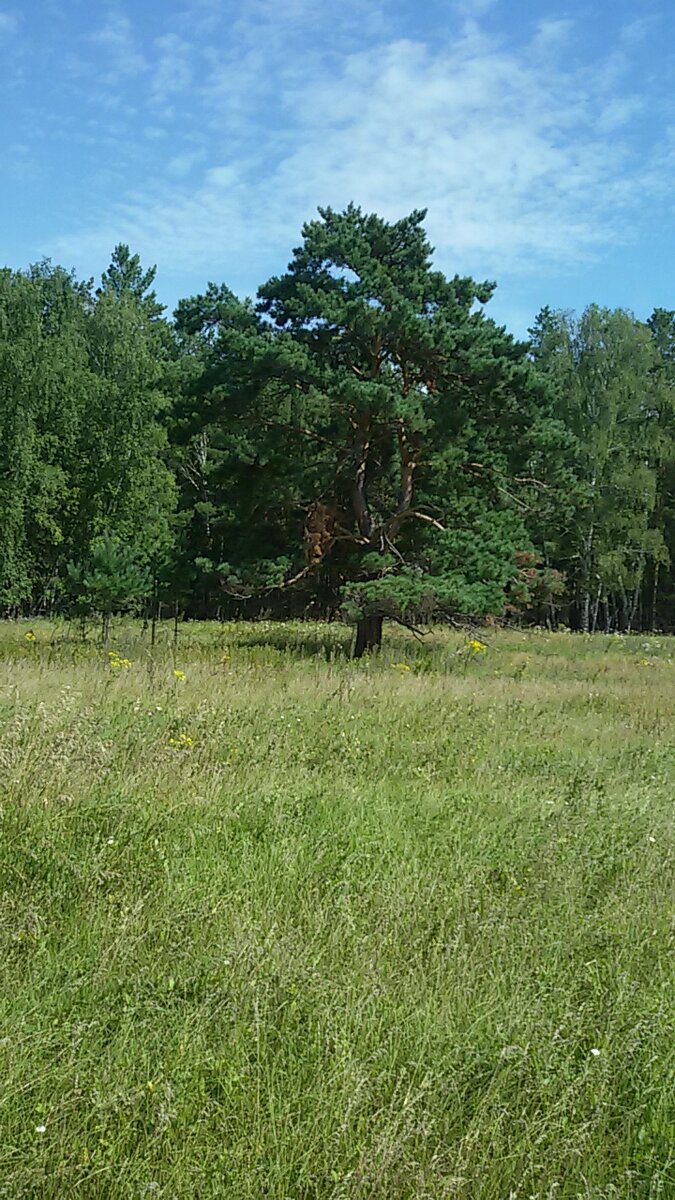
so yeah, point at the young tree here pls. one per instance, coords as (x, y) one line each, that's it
(378, 427)
(108, 581)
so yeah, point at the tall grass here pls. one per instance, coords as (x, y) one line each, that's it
(300, 928)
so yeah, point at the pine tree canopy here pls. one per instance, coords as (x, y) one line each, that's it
(384, 424)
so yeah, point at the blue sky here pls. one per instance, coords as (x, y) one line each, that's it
(541, 138)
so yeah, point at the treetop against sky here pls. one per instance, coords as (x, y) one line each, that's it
(203, 133)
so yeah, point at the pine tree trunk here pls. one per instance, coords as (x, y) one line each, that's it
(368, 635)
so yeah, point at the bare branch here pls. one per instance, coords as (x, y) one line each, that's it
(360, 452)
(529, 479)
(264, 591)
(420, 516)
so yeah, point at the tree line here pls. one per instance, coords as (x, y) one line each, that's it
(362, 440)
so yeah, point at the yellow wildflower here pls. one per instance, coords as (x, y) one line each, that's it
(30, 636)
(182, 742)
(402, 667)
(180, 676)
(116, 661)
(476, 647)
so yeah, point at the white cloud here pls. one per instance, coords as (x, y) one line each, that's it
(554, 33)
(173, 70)
(117, 40)
(20, 165)
(8, 22)
(182, 164)
(619, 112)
(473, 8)
(507, 147)
(634, 32)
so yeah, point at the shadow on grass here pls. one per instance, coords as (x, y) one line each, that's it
(337, 642)
(298, 645)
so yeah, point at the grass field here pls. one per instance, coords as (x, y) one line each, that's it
(277, 924)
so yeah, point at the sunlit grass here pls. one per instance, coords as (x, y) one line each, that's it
(278, 924)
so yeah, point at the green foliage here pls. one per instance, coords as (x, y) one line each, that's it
(376, 428)
(82, 440)
(363, 439)
(109, 580)
(611, 394)
(126, 279)
(43, 381)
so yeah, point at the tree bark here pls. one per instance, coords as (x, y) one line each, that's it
(408, 464)
(360, 452)
(368, 635)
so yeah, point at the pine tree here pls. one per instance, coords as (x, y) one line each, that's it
(126, 489)
(108, 581)
(377, 424)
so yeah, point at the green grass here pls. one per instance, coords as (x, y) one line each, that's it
(300, 928)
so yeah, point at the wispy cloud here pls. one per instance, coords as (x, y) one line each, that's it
(120, 47)
(9, 21)
(173, 70)
(554, 33)
(182, 164)
(473, 8)
(619, 111)
(20, 165)
(506, 145)
(634, 32)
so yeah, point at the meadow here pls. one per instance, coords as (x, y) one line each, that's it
(279, 924)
